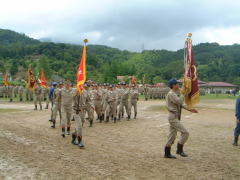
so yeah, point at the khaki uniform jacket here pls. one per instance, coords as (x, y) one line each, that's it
(174, 102)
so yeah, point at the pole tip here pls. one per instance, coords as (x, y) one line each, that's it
(85, 41)
(189, 35)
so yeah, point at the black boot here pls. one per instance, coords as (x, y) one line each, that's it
(53, 126)
(107, 120)
(168, 153)
(180, 150)
(91, 123)
(35, 107)
(101, 118)
(63, 132)
(20, 99)
(135, 116)
(74, 139)
(235, 143)
(68, 130)
(129, 116)
(115, 120)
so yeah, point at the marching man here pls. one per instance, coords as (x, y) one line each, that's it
(174, 102)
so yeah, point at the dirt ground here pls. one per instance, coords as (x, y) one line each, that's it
(128, 150)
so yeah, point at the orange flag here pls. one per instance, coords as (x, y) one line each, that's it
(6, 80)
(43, 80)
(31, 79)
(81, 75)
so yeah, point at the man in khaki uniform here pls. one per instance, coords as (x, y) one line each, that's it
(56, 104)
(15, 90)
(38, 96)
(66, 107)
(120, 92)
(104, 101)
(89, 104)
(112, 104)
(125, 102)
(134, 95)
(146, 92)
(10, 89)
(174, 101)
(79, 108)
(20, 92)
(97, 98)
(46, 96)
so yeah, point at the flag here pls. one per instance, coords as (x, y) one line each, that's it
(81, 74)
(6, 80)
(134, 80)
(31, 79)
(190, 82)
(43, 80)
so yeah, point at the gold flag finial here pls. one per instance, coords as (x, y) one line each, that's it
(85, 41)
(189, 35)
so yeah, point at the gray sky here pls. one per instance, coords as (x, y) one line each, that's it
(125, 24)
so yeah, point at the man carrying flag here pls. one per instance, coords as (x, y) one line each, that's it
(175, 102)
(80, 100)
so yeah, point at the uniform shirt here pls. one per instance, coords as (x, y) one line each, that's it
(134, 94)
(20, 90)
(174, 101)
(112, 96)
(66, 97)
(57, 96)
(89, 98)
(97, 95)
(79, 101)
(38, 90)
(125, 95)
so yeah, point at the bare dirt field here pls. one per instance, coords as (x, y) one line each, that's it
(127, 150)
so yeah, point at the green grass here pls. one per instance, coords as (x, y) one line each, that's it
(9, 110)
(219, 96)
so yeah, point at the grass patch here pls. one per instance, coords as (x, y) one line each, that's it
(219, 96)
(9, 110)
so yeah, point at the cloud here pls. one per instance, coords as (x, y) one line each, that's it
(125, 24)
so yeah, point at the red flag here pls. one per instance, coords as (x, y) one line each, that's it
(81, 76)
(6, 80)
(190, 83)
(43, 80)
(31, 79)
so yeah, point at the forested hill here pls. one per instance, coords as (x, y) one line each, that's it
(17, 51)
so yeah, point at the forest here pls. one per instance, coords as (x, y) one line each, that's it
(59, 60)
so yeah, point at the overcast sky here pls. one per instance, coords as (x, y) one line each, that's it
(125, 24)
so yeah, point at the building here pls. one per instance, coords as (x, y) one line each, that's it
(218, 87)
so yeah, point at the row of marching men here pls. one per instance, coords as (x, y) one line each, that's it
(24, 94)
(108, 102)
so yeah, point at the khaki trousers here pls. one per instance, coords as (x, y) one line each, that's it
(176, 126)
(66, 115)
(79, 119)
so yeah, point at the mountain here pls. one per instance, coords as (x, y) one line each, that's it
(17, 51)
(8, 37)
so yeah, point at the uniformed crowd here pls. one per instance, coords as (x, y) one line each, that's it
(153, 92)
(108, 102)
